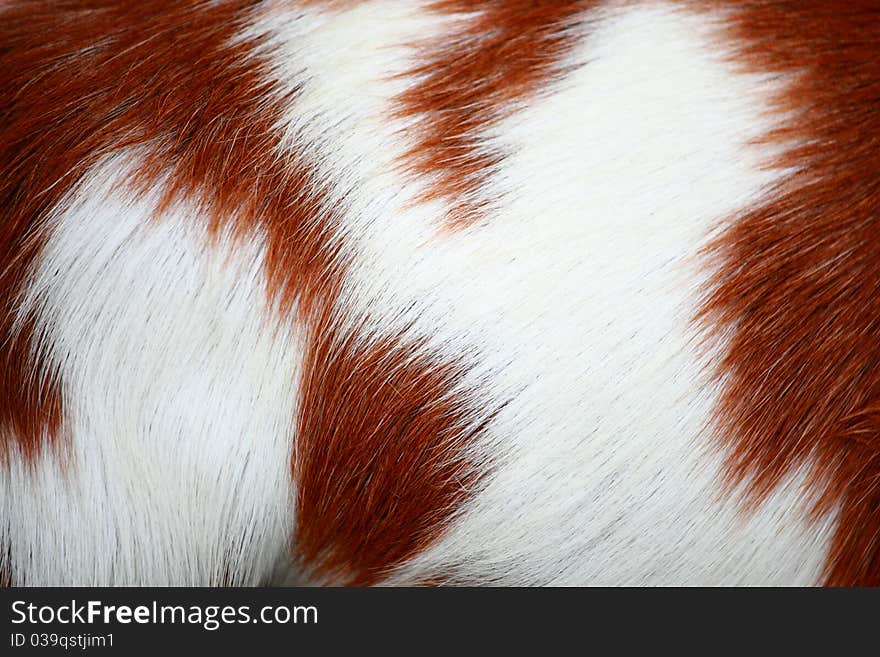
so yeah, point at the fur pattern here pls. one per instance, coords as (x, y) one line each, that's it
(394, 292)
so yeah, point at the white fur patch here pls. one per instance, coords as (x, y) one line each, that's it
(177, 390)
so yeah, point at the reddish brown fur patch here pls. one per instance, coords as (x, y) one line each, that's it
(470, 80)
(796, 294)
(30, 397)
(379, 464)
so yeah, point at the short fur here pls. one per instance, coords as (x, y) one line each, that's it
(393, 292)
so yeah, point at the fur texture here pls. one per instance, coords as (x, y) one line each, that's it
(394, 292)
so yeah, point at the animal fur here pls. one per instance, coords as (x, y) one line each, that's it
(439, 292)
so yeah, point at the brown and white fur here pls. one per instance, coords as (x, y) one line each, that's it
(440, 292)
